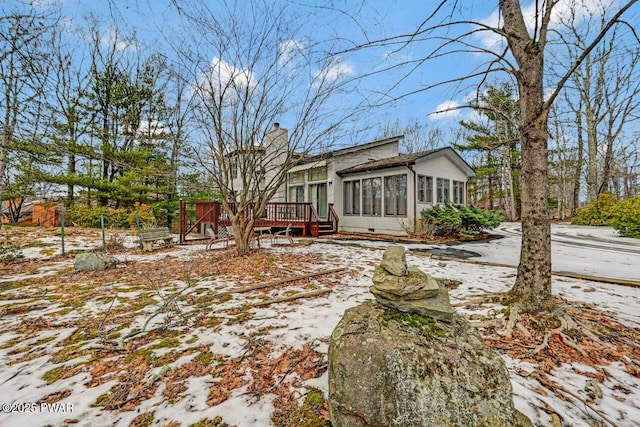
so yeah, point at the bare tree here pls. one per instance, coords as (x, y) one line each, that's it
(418, 135)
(523, 58)
(607, 88)
(251, 69)
(23, 36)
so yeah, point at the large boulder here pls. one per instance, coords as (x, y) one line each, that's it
(389, 368)
(94, 261)
(408, 360)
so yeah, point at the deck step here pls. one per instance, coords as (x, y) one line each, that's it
(325, 228)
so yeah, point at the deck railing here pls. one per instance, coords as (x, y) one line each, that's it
(333, 218)
(197, 214)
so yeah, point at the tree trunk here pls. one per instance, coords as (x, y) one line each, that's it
(533, 282)
(592, 158)
(606, 169)
(515, 180)
(242, 231)
(510, 199)
(577, 177)
(490, 180)
(3, 165)
(532, 288)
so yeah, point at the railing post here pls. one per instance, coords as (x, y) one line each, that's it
(216, 217)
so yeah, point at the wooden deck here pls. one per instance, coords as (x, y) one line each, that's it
(196, 215)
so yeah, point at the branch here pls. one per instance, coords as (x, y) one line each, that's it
(587, 51)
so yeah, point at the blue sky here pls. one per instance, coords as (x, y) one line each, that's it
(373, 19)
(352, 21)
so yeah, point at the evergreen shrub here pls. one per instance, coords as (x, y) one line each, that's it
(458, 220)
(598, 212)
(626, 217)
(607, 209)
(90, 216)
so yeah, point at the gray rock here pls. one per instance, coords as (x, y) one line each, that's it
(94, 261)
(438, 307)
(401, 370)
(394, 261)
(415, 285)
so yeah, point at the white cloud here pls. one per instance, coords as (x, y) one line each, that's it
(221, 75)
(447, 110)
(153, 128)
(577, 11)
(113, 38)
(336, 69)
(290, 50)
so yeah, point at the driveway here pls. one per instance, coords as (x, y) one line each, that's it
(591, 251)
(595, 251)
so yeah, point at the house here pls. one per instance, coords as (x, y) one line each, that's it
(372, 188)
(45, 214)
(369, 188)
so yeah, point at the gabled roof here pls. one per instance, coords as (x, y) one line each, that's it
(349, 150)
(411, 159)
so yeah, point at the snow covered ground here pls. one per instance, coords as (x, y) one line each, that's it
(306, 323)
(593, 251)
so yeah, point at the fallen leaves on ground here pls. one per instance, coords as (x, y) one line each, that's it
(130, 325)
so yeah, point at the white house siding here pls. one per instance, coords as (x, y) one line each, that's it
(436, 166)
(384, 224)
(343, 161)
(440, 167)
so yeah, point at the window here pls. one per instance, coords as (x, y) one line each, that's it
(372, 196)
(296, 177)
(443, 190)
(425, 189)
(352, 197)
(233, 169)
(296, 193)
(317, 174)
(458, 192)
(395, 195)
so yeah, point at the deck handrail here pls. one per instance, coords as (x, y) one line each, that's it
(333, 217)
(314, 221)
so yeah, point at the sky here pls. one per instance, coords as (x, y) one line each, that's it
(349, 23)
(352, 22)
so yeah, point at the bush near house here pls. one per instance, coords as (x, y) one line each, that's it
(607, 209)
(458, 220)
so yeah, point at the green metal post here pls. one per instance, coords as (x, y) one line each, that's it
(62, 233)
(104, 243)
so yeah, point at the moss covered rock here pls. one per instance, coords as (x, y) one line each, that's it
(388, 368)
